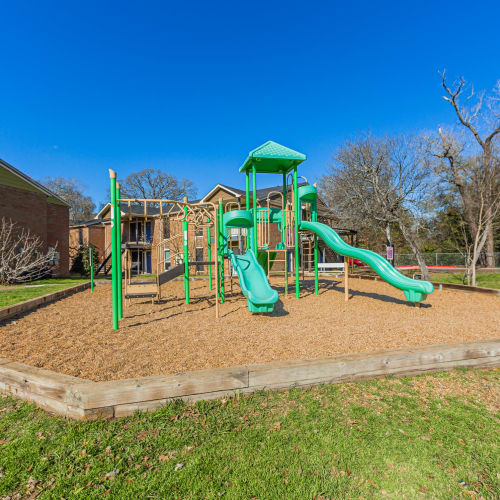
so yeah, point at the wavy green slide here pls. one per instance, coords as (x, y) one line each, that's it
(253, 281)
(414, 290)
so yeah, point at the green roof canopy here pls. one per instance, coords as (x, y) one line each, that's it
(272, 158)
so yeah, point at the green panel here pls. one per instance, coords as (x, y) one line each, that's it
(414, 290)
(238, 218)
(307, 193)
(263, 257)
(272, 158)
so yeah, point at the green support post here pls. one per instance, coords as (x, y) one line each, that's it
(283, 233)
(209, 256)
(315, 219)
(91, 262)
(254, 204)
(297, 215)
(114, 277)
(247, 190)
(220, 232)
(185, 252)
(119, 248)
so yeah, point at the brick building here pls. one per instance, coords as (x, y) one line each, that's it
(34, 207)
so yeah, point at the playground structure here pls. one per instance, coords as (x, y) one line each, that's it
(297, 223)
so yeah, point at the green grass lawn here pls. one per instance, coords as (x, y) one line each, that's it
(487, 280)
(432, 436)
(18, 293)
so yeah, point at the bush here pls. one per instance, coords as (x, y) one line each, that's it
(81, 262)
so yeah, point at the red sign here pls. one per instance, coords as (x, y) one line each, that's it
(390, 252)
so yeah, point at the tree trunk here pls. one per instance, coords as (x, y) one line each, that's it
(415, 249)
(490, 248)
(389, 239)
(479, 242)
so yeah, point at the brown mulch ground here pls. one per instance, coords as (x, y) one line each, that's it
(74, 335)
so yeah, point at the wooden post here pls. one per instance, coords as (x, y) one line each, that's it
(185, 250)
(346, 278)
(119, 250)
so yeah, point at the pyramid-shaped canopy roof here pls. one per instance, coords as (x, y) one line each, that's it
(272, 158)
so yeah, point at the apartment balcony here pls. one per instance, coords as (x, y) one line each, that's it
(143, 243)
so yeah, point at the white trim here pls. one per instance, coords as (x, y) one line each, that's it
(219, 186)
(29, 180)
(98, 215)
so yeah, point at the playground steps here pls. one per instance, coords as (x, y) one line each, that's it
(141, 290)
(307, 253)
(102, 266)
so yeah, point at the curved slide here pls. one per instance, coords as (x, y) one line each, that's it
(254, 284)
(414, 290)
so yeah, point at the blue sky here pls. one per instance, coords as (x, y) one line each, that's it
(190, 87)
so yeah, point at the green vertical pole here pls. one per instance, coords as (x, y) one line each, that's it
(119, 251)
(209, 256)
(315, 219)
(220, 232)
(283, 233)
(91, 262)
(247, 189)
(297, 215)
(254, 204)
(185, 252)
(114, 270)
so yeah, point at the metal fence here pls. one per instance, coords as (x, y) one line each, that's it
(441, 259)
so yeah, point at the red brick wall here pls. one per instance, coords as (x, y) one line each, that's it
(48, 221)
(96, 237)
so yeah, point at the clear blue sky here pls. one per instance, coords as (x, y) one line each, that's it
(191, 87)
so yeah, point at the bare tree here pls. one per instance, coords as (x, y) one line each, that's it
(21, 255)
(464, 177)
(479, 114)
(71, 191)
(381, 180)
(151, 183)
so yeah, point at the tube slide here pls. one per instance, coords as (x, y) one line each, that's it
(254, 284)
(414, 290)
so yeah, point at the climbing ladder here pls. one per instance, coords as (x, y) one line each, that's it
(307, 252)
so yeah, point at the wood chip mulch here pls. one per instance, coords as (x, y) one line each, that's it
(74, 335)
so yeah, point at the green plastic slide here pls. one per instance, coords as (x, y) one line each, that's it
(414, 290)
(253, 281)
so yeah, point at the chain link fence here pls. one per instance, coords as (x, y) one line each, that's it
(441, 259)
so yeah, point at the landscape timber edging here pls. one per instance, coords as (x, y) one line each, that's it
(440, 286)
(27, 305)
(84, 399)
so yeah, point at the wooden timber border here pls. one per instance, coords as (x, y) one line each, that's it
(84, 399)
(438, 285)
(22, 307)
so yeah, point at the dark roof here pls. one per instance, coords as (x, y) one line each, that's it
(261, 193)
(86, 223)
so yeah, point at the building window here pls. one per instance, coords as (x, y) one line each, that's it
(166, 259)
